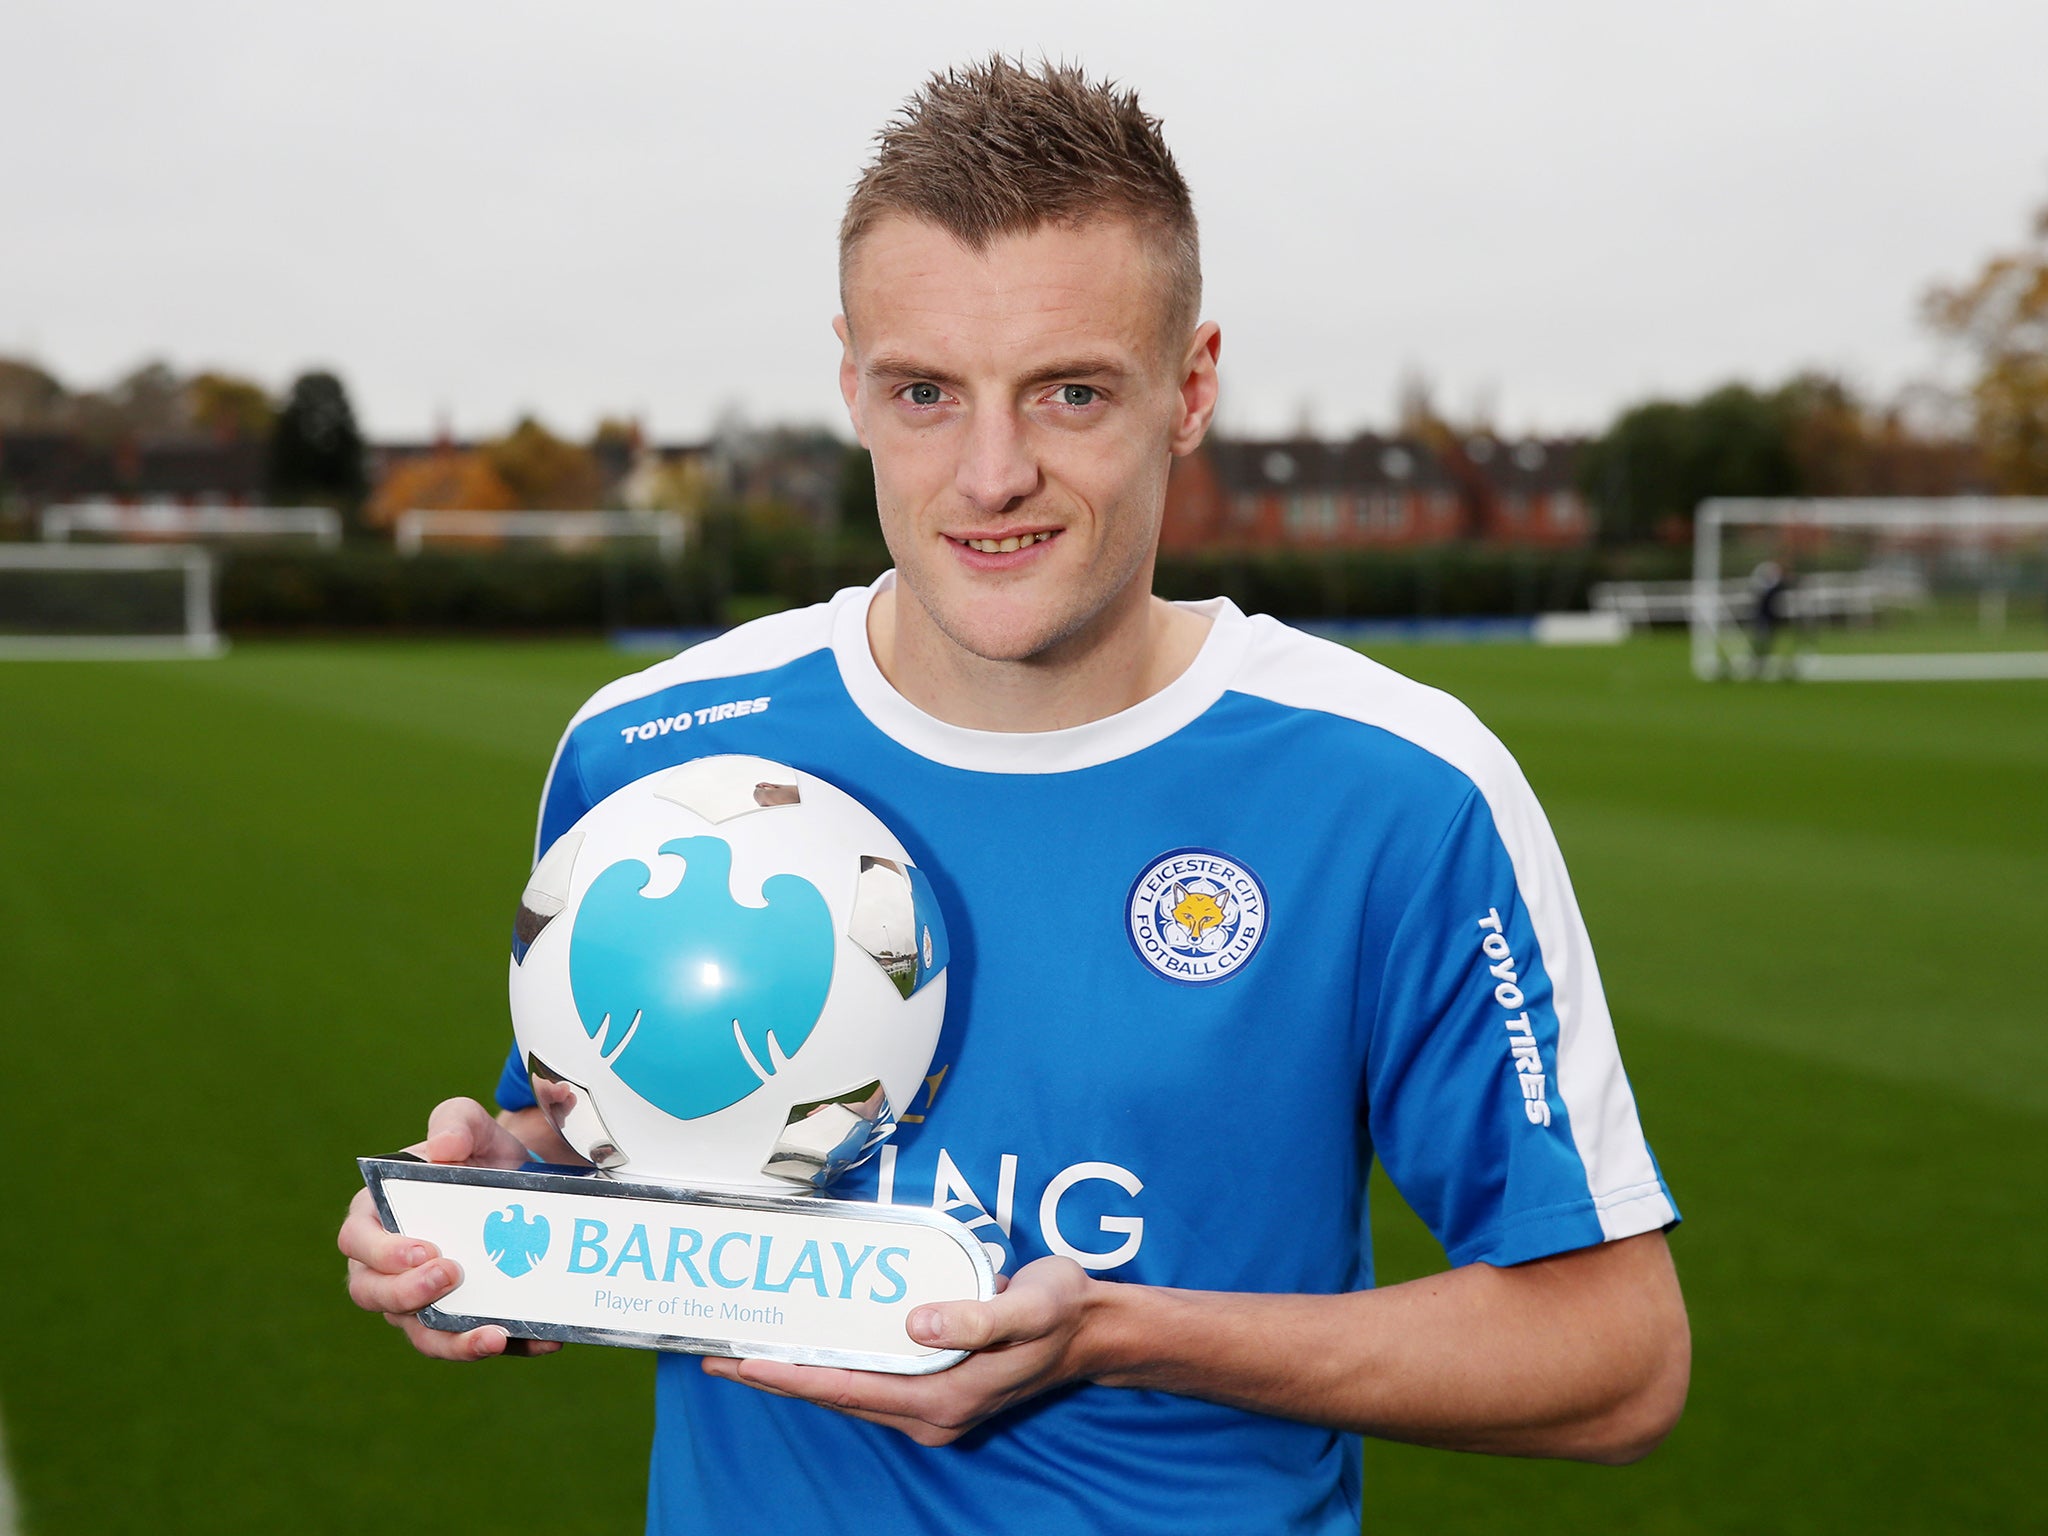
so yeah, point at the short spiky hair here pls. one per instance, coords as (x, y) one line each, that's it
(1000, 148)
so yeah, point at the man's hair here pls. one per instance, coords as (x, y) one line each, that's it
(999, 148)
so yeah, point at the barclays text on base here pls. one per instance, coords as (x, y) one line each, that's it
(737, 1261)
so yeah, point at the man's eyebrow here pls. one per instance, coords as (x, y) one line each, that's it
(901, 366)
(892, 365)
(1086, 367)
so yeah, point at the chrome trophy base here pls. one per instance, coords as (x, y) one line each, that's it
(584, 1256)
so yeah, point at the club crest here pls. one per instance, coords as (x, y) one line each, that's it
(1196, 916)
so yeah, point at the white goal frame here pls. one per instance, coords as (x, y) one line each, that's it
(413, 528)
(1717, 604)
(201, 637)
(174, 520)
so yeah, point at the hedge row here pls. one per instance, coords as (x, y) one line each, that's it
(372, 589)
(1437, 581)
(376, 589)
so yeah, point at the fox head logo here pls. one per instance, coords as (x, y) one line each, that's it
(1196, 915)
(1197, 911)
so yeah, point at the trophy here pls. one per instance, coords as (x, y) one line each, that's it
(723, 977)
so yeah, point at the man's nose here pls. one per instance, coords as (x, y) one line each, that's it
(997, 469)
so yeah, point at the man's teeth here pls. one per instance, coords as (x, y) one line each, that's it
(1005, 546)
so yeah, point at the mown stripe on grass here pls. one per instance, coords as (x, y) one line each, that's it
(1897, 956)
(1864, 1291)
(512, 698)
(10, 1506)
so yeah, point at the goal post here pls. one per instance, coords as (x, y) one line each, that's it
(565, 531)
(119, 602)
(1887, 589)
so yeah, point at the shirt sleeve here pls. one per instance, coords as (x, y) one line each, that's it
(562, 805)
(1495, 1095)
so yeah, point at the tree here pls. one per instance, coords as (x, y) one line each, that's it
(30, 396)
(1662, 458)
(316, 451)
(545, 472)
(448, 480)
(2002, 315)
(229, 408)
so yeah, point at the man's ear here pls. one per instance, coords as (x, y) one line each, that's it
(1199, 385)
(849, 377)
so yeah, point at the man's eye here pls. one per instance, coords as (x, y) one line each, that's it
(1078, 395)
(924, 394)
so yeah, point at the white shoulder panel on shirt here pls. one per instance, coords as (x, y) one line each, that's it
(757, 646)
(1303, 672)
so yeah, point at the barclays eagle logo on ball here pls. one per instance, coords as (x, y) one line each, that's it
(727, 974)
(515, 1241)
(691, 996)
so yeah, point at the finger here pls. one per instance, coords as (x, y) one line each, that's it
(463, 1131)
(476, 1344)
(932, 1410)
(824, 1395)
(520, 1349)
(363, 1239)
(729, 1370)
(922, 1430)
(406, 1292)
(864, 1393)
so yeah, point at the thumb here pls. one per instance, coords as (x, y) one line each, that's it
(463, 1131)
(956, 1325)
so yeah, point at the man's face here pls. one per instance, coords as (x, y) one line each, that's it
(1022, 406)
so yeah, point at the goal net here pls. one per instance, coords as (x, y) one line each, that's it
(115, 601)
(562, 532)
(1893, 589)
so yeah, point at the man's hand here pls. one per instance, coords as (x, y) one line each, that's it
(1027, 1340)
(397, 1275)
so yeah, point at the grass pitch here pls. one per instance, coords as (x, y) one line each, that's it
(252, 917)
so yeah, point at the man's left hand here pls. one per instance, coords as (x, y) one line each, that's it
(1025, 1341)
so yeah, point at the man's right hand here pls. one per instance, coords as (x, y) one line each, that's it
(397, 1275)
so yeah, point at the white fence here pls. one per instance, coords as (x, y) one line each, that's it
(1822, 595)
(174, 520)
(569, 529)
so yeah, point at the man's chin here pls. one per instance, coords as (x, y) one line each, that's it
(1002, 642)
(1003, 629)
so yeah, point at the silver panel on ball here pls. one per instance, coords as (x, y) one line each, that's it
(569, 1106)
(546, 894)
(822, 1139)
(884, 921)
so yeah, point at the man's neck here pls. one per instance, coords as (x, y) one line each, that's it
(1116, 663)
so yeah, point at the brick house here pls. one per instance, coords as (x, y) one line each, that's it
(1374, 492)
(1526, 492)
(41, 468)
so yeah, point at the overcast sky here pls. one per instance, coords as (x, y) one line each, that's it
(472, 210)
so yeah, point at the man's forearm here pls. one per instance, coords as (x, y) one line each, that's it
(1586, 1355)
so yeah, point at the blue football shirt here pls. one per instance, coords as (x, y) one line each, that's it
(1210, 956)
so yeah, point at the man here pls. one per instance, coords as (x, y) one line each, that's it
(1232, 910)
(1771, 590)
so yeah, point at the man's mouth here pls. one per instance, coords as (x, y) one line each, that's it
(1008, 544)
